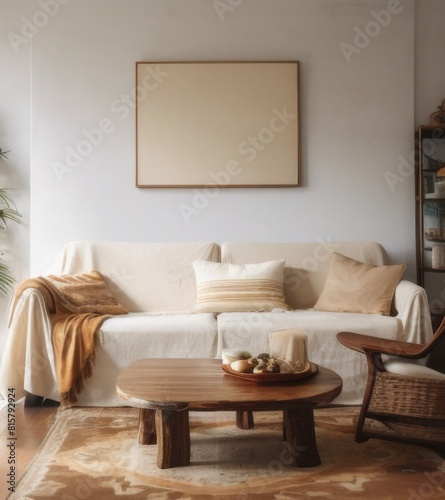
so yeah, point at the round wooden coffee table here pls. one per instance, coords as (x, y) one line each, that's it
(166, 390)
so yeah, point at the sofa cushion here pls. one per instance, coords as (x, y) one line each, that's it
(145, 335)
(224, 287)
(353, 286)
(307, 264)
(144, 277)
(411, 368)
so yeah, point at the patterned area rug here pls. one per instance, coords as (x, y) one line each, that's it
(93, 453)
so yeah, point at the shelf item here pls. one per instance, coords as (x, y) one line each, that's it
(430, 196)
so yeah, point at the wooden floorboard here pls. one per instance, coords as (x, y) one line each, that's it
(31, 427)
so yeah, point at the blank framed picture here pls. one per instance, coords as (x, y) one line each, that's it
(230, 124)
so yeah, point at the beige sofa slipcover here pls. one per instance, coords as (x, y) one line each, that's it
(156, 283)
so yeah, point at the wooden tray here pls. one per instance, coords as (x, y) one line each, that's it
(272, 377)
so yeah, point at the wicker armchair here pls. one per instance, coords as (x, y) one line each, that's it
(400, 407)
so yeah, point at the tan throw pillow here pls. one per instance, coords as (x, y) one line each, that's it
(225, 287)
(352, 286)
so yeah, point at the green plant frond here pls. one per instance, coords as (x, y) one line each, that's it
(3, 153)
(6, 199)
(6, 280)
(9, 210)
(10, 214)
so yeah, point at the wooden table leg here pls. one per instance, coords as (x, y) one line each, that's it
(173, 433)
(300, 435)
(244, 420)
(147, 426)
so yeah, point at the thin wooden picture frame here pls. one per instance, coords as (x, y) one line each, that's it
(229, 124)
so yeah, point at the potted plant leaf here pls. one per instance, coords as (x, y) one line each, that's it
(8, 213)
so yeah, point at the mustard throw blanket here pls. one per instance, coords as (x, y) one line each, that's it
(77, 307)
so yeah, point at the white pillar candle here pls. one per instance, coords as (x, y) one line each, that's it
(438, 257)
(290, 345)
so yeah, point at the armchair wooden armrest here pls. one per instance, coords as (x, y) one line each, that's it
(368, 344)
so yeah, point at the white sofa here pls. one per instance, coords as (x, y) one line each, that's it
(156, 283)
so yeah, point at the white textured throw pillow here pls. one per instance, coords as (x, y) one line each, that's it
(225, 287)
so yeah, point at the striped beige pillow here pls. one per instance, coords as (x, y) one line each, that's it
(225, 287)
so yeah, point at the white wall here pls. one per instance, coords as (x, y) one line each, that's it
(356, 121)
(357, 118)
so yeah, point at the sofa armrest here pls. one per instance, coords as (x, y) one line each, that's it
(411, 305)
(28, 360)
